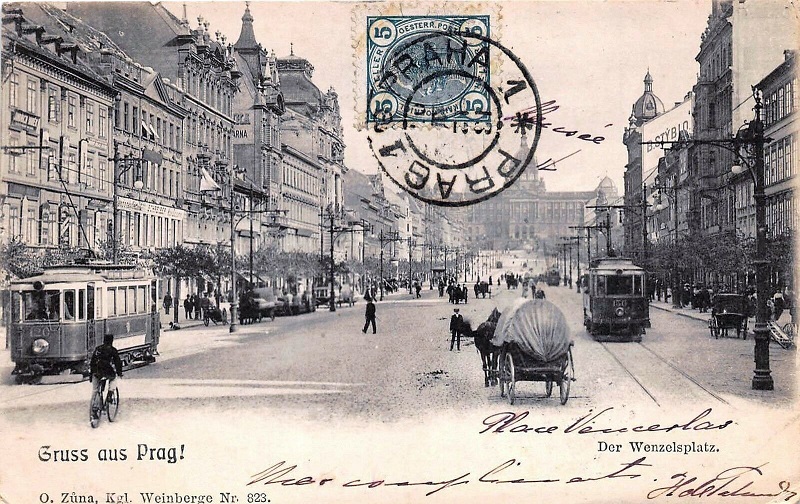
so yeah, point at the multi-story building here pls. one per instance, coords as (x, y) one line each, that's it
(780, 92)
(147, 158)
(313, 157)
(742, 42)
(56, 132)
(257, 109)
(205, 71)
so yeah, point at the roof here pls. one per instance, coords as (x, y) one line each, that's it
(247, 37)
(295, 77)
(648, 105)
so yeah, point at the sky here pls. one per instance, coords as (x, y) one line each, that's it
(589, 56)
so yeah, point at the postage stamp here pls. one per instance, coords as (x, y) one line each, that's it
(404, 51)
(445, 123)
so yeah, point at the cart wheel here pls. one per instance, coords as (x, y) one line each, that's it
(206, 320)
(566, 377)
(511, 378)
(548, 387)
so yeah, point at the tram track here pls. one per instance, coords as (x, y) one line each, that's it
(642, 365)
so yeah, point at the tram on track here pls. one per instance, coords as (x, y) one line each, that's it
(61, 315)
(615, 303)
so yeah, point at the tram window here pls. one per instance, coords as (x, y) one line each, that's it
(142, 299)
(600, 286)
(121, 303)
(112, 301)
(41, 305)
(90, 307)
(619, 285)
(98, 296)
(81, 304)
(131, 300)
(16, 304)
(69, 305)
(637, 285)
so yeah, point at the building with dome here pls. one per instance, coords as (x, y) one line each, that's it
(525, 215)
(650, 121)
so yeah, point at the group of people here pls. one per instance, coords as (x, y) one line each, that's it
(195, 305)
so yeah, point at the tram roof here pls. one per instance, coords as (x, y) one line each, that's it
(72, 273)
(614, 263)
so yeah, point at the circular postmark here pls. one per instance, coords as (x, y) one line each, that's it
(446, 128)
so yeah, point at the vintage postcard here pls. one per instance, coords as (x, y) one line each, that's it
(399, 252)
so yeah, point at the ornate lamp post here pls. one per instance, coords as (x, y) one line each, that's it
(750, 139)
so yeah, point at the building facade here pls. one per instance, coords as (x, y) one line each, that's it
(56, 187)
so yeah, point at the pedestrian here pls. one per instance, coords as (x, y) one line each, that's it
(456, 321)
(187, 307)
(464, 293)
(778, 304)
(418, 288)
(490, 280)
(197, 307)
(369, 315)
(167, 302)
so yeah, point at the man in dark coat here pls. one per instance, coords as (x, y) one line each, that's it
(167, 302)
(456, 321)
(197, 306)
(188, 306)
(369, 315)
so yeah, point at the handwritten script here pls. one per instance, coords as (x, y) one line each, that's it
(597, 423)
(736, 481)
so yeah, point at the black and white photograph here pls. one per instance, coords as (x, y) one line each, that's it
(284, 252)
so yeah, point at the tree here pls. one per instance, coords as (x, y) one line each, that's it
(179, 262)
(18, 260)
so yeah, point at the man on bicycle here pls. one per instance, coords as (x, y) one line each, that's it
(105, 363)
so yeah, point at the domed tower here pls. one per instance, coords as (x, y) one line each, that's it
(648, 106)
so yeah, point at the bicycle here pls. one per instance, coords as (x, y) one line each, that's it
(98, 405)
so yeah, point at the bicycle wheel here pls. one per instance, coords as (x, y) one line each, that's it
(95, 408)
(112, 405)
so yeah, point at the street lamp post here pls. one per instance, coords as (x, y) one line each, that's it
(671, 192)
(383, 241)
(751, 139)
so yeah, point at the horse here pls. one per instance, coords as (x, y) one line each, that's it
(483, 343)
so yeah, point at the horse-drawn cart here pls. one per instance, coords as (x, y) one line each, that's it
(729, 312)
(535, 346)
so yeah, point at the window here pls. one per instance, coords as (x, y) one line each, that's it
(31, 96)
(69, 305)
(102, 176)
(13, 89)
(619, 285)
(71, 111)
(90, 172)
(135, 127)
(126, 125)
(31, 227)
(41, 305)
(89, 117)
(103, 124)
(81, 304)
(142, 299)
(31, 156)
(52, 105)
(171, 143)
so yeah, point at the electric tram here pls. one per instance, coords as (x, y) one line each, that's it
(615, 300)
(61, 315)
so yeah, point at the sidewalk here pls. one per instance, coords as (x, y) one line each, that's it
(705, 317)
